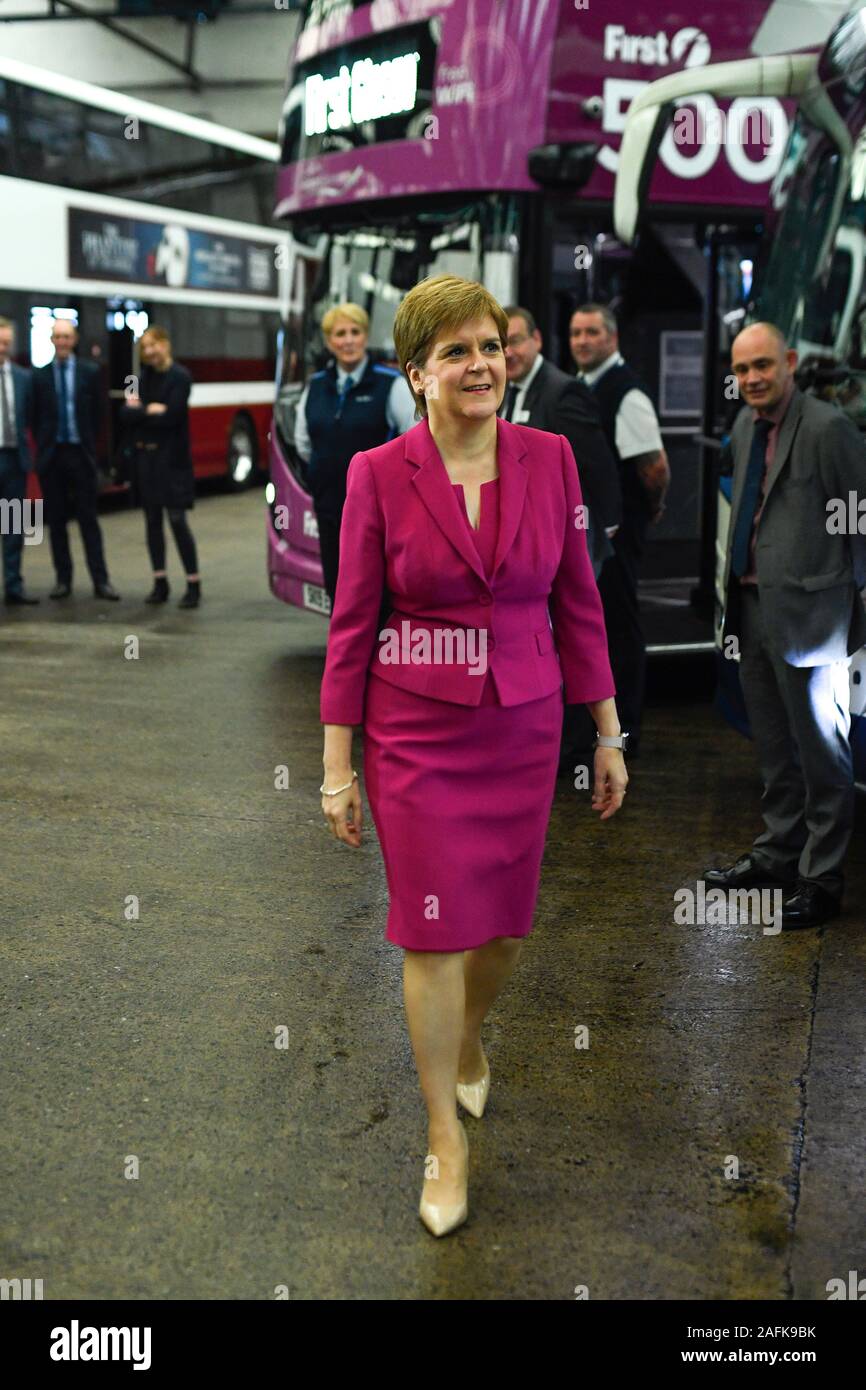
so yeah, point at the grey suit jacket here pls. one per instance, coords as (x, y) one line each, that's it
(808, 578)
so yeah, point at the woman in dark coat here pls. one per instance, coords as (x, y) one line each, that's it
(157, 423)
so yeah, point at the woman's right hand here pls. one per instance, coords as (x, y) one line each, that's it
(343, 815)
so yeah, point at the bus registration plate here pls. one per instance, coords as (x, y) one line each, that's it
(317, 598)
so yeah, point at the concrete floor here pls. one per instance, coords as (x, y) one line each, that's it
(301, 1167)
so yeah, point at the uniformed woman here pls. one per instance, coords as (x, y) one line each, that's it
(352, 404)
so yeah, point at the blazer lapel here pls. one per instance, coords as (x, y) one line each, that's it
(786, 439)
(741, 464)
(531, 398)
(513, 478)
(783, 449)
(18, 393)
(437, 493)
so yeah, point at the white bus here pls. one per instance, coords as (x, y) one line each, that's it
(117, 213)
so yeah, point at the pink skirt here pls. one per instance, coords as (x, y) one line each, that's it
(461, 798)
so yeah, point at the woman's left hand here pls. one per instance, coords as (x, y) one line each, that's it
(156, 408)
(611, 780)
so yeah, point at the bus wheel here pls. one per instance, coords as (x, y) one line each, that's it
(241, 455)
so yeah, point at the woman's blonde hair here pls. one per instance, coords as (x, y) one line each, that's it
(353, 312)
(434, 306)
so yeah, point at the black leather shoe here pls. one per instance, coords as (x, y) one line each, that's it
(160, 591)
(61, 590)
(18, 596)
(192, 597)
(105, 590)
(808, 906)
(745, 873)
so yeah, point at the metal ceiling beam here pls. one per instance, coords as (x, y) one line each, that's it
(294, 6)
(213, 85)
(78, 11)
(81, 12)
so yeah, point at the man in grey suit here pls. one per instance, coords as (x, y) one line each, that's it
(793, 606)
(15, 463)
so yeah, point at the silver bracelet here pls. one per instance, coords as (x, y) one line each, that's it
(339, 789)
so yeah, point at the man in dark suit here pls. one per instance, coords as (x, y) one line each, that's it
(544, 398)
(541, 396)
(15, 463)
(632, 430)
(66, 414)
(793, 611)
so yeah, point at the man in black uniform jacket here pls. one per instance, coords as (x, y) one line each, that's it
(541, 396)
(632, 430)
(544, 398)
(66, 416)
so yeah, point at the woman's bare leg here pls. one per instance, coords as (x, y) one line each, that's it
(486, 972)
(434, 993)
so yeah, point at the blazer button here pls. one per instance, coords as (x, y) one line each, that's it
(485, 599)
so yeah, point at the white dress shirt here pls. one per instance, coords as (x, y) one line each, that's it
(69, 369)
(637, 426)
(519, 415)
(7, 386)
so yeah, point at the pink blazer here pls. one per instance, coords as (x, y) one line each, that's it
(403, 529)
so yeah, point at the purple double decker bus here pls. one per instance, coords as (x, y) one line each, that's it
(482, 137)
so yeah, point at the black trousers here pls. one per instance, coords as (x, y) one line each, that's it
(618, 590)
(69, 488)
(618, 587)
(183, 538)
(12, 487)
(329, 549)
(328, 491)
(328, 503)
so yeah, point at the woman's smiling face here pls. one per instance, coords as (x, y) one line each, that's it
(347, 341)
(463, 377)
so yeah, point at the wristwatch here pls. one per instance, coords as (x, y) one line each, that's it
(612, 741)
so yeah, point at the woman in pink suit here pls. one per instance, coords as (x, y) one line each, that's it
(476, 529)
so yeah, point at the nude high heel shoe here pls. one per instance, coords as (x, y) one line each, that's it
(440, 1219)
(473, 1095)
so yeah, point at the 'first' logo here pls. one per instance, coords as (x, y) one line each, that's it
(689, 47)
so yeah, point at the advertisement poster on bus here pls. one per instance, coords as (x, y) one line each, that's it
(130, 250)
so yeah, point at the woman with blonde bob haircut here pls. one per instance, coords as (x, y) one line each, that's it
(353, 312)
(353, 403)
(475, 529)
